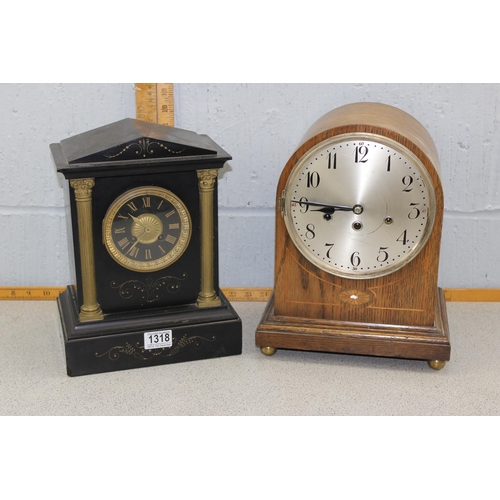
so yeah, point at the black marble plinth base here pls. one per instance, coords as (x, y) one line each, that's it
(117, 341)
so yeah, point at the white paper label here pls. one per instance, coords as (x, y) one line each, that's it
(158, 340)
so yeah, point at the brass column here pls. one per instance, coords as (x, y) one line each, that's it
(206, 181)
(90, 310)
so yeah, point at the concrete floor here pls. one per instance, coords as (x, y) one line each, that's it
(33, 378)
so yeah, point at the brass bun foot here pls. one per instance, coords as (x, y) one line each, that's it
(268, 351)
(435, 364)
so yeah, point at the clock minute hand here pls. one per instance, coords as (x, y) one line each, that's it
(138, 240)
(326, 209)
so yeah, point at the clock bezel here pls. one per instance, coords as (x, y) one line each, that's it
(358, 136)
(170, 257)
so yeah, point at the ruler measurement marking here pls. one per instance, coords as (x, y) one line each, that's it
(246, 294)
(30, 293)
(51, 293)
(155, 103)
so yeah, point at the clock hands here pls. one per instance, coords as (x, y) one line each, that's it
(146, 228)
(138, 240)
(330, 209)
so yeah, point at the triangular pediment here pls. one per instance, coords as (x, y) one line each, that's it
(129, 140)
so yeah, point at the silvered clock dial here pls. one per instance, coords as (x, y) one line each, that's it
(359, 206)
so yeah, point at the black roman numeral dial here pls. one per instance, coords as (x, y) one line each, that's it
(146, 229)
(359, 206)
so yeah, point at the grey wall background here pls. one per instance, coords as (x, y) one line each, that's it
(259, 125)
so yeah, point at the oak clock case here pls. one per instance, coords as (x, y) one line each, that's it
(143, 225)
(358, 229)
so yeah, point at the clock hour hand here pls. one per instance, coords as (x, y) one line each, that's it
(138, 240)
(331, 209)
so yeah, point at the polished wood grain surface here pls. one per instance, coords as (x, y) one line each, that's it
(398, 341)
(301, 289)
(306, 296)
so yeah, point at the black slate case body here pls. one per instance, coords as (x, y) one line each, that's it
(118, 158)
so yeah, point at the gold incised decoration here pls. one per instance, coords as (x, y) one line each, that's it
(138, 351)
(90, 310)
(145, 147)
(149, 290)
(207, 296)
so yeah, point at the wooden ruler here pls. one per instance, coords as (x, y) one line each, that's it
(472, 294)
(243, 294)
(247, 294)
(30, 292)
(154, 102)
(51, 293)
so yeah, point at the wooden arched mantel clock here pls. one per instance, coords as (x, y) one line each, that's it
(142, 208)
(359, 213)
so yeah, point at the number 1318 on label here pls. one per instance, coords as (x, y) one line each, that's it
(158, 340)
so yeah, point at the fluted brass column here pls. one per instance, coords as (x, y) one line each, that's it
(206, 182)
(90, 310)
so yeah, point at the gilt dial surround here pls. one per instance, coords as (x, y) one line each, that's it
(147, 229)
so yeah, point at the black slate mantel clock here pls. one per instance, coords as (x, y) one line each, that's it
(142, 202)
